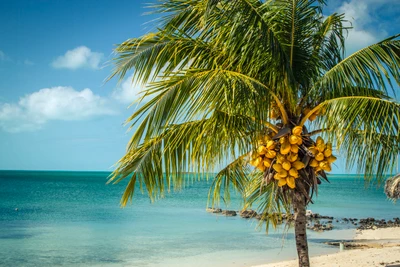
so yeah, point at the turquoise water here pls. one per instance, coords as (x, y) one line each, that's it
(74, 219)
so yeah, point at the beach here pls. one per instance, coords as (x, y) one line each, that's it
(381, 247)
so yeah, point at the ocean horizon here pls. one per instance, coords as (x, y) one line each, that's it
(72, 218)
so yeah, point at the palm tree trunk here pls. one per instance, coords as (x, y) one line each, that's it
(300, 222)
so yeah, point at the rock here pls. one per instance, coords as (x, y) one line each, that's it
(248, 214)
(287, 216)
(213, 210)
(320, 227)
(229, 212)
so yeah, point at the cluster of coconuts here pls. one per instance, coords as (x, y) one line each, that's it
(281, 157)
(323, 157)
(313, 117)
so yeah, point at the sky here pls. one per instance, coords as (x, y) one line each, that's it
(56, 110)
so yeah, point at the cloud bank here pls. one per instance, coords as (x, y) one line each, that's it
(57, 103)
(364, 18)
(80, 57)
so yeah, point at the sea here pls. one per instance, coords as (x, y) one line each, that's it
(58, 218)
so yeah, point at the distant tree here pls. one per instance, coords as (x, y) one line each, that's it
(236, 83)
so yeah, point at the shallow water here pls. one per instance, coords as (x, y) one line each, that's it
(74, 219)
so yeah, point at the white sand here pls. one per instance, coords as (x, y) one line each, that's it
(383, 233)
(385, 249)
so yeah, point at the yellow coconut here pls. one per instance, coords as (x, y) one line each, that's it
(314, 163)
(292, 157)
(270, 154)
(286, 165)
(313, 117)
(298, 165)
(262, 150)
(280, 158)
(267, 138)
(327, 153)
(300, 141)
(319, 140)
(293, 139)
(293, 172)
(283, 173)
(283, 140)
(320, 156)
(267, 162)
(314, 151)
(261, 167)
(297, 130)
(325, 166)
(329, 145)
(321, 147)
(277, 167)
(291, 182)
(282, 182)
(331, 159)
(294, 149)
(276, 176)
(318, 169)
(256, 161)
(271, 144)
(285, 148)
(306, 111)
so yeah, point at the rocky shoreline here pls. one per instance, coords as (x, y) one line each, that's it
(316, 222)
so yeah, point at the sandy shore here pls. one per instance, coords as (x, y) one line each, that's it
(382, 248)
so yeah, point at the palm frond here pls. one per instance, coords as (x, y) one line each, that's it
(197, 93)
(233, 176)
(199, 146)
(156, 54)
(270, 200)
(366, 130)
(371, 67)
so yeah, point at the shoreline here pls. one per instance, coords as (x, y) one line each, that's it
(370, 247)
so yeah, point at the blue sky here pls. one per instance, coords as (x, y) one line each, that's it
(56, 112)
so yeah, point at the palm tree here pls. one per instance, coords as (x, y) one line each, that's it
(243, 83)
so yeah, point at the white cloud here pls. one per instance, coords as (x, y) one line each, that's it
(2, 56)
(80, 57)
(28, 62)
(129, 92)
(365, 31)
(57, 103)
